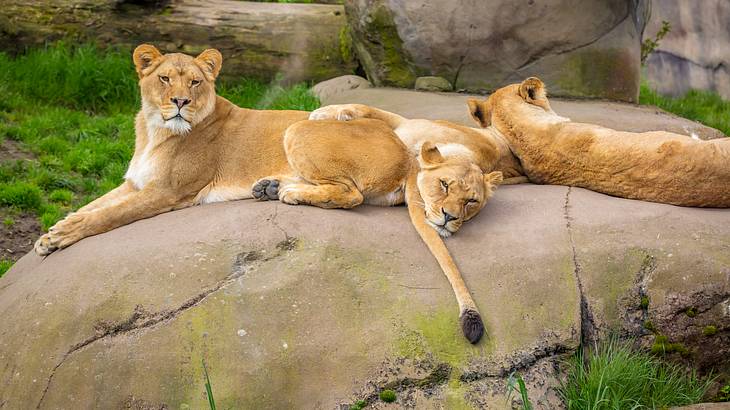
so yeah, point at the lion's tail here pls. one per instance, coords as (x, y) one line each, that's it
(471, 322)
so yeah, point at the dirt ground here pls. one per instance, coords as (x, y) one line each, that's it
(16, 239)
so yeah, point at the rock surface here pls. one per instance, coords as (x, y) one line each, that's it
(431, 83)
(452, 107)
(263, 40)
(695, 54)
(579, 48)
(309, 308)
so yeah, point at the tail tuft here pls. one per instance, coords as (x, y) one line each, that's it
(472, 326)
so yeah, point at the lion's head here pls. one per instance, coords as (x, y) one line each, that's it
(453, 189)
(528, 97)
(178, 91)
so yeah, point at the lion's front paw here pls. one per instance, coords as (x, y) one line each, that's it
(266, 189)
(334, 112)
(64, 233)
(43, 246)
(290, 195)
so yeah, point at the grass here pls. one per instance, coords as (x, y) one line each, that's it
(5, 265)
(702, 106)
(616, 376)
(73, 108)
(515, 383)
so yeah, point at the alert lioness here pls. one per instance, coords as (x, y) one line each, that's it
(655, 166)
(192, 147)
(338, 164)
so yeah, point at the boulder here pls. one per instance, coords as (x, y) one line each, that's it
(309, 308)
(431, 83)
(580, 49)
(294, 42)
(695, 54)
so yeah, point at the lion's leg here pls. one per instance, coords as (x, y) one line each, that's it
(514, 181)
(132, 207)
(471, 322)
(349, 112)
(323, 195)
(109, 198)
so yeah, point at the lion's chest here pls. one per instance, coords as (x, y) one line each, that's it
(142, 168)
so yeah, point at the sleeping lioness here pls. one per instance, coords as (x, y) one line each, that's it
(338, 164)
(655, 166)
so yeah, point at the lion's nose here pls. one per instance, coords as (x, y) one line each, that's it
(447, 216)
(180, 102)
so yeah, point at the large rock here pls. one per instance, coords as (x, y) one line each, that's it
(579, 48)
(695, 54)
(262, 40)
(309, 308)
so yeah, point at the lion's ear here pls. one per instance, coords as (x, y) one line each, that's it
(478, 111)
(430, 154)
(532, 89)
(145, 58)
(210, 62)
(493, 178)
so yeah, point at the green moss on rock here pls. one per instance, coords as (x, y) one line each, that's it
(387, 396)
(709, 330)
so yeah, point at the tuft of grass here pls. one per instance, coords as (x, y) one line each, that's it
(73, 107)
(515, 383)
(208, 388)
(702, 106)
(616, 376)
(709, 330)
(387, 396)
(359, 405)
(5, 265)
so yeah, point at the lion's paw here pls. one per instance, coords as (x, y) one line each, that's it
(290, 195)
(266, 189)
(64, 233)
(334, 112)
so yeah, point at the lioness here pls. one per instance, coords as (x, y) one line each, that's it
(343, 164)
(192, 147)
(655, 166)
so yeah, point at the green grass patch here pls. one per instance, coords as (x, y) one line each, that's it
(73, 107)
(616, 376)
(702, 106)
(5, 265)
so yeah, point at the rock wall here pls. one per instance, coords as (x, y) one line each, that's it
(262, 40)
(695, 54)
(579, 48)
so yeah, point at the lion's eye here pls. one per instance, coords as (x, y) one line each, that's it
(194, 83)
(445, 186)
(165, 79)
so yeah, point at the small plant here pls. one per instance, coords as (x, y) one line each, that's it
(617, 376)
(709, 330)
(650, 44)
(724, 393)
(8, 222)
(515, 383)
(663, 346)
(691, 312)
(5, 265)
(359, 405)
(644, 304)
(208, 388)
(387, 396)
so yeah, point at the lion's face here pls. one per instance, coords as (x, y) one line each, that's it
(453, 190)
(178, 91)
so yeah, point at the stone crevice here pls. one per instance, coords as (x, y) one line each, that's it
(587, 321)
(141, 319)
(522, 362)
(712, 68)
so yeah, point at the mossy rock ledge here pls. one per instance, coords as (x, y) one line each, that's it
(297, 307)
(589, 51)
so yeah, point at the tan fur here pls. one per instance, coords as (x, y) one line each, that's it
(656, 166)
(214, 153)
(339, 164)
